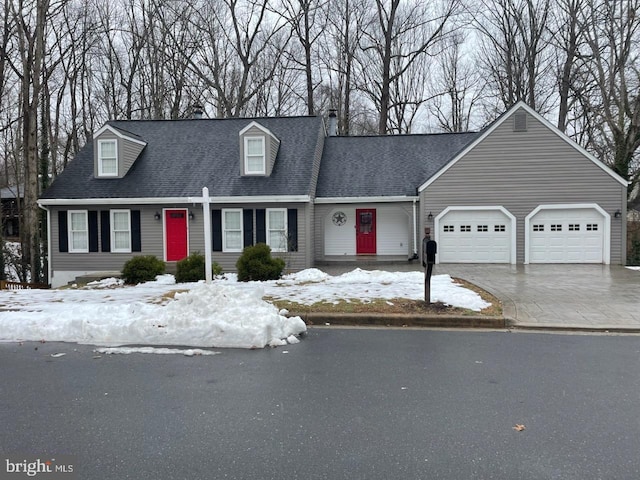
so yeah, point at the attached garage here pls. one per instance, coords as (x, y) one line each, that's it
(567, 234)
(475, 235)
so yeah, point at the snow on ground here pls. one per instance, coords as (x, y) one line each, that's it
(225, 313)
(634, 268)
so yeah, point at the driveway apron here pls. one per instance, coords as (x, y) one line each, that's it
(566, 296)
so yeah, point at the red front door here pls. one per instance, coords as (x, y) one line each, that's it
(175, 225)
(366, 231)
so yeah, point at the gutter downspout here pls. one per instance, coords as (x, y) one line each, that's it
(415, 231)
(206, 216)
(49, 271)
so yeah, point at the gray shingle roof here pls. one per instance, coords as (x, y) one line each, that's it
(182, 156)
(393, 165)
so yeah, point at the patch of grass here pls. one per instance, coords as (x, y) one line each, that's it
(394, 305)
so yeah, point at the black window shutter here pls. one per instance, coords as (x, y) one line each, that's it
(63, 233)
(93, 231)
(292, 226)
(136, 231)
(261, 226)
(247, 226)
(216, 227)
(105, 230)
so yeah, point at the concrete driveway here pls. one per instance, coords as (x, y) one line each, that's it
(568, 296)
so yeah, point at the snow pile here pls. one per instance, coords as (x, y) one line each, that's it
(366, 285)
(212, 315)
(226, 313)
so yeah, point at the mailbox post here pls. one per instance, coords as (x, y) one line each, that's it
(429, 250)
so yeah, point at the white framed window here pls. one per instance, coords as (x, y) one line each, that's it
(449, 228)
(277, 229)
(232, 233)
(254, 156)
(121, 231)
(78, 230)
(107, 158)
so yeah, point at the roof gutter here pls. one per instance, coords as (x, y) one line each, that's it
(173, 200)
(378, 199)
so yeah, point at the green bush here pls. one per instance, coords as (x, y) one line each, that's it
(216, 269)
(191, 269)
(256, 263)
(143, 268)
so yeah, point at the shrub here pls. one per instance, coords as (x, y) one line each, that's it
(191, 269)
(143, 268)
(216, 269)
(256, 263)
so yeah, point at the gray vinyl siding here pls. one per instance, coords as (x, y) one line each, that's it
(128, 152)
(521, 170)
(151, 233)
(294, 261)
(271, 146)
(153, 239)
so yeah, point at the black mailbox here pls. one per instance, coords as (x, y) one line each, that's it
(431, 249)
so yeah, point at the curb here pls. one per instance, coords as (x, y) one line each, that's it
(401, 320)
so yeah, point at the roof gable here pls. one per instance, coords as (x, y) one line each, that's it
(500, 121)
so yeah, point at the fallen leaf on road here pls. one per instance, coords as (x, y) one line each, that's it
(519, 427)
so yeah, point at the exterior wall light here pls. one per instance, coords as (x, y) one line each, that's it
(618, 214)
(157, 216)
(191, 216)
(430, 216)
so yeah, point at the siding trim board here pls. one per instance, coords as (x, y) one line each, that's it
(606, 254)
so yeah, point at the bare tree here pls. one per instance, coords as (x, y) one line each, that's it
(347, 22)
(610, 87)
(400, 35)
(457, 89)
(233, 38)
(514, 51)
(308, 19)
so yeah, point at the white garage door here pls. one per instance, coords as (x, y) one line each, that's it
(474, 236)
(566, 236)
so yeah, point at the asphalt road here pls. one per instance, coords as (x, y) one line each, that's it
(342, 404)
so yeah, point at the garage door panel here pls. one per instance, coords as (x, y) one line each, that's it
(567, 235)
(474, 236)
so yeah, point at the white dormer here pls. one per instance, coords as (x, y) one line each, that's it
(258, 150)
(115, 151)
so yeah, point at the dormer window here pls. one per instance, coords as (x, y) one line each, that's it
(254, 156)
(107, 158)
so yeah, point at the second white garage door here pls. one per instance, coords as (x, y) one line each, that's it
(566, 235)
(474, 236)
